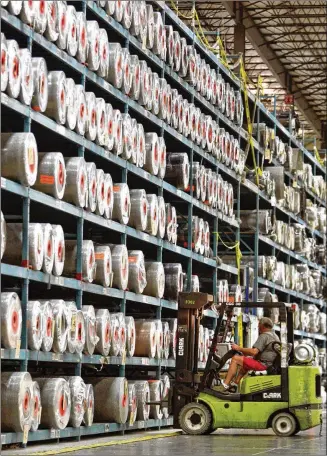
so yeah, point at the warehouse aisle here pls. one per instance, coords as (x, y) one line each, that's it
(231, 443)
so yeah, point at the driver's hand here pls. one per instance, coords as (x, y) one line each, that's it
(236, 347)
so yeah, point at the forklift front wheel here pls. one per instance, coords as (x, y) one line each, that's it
(284, 425)
(195, 419)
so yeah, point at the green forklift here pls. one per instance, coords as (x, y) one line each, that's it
(286, 399)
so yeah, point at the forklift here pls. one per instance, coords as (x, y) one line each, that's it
(288, 400)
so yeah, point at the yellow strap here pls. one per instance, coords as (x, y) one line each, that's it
(238, 254)
(240, 330)
(318, 158)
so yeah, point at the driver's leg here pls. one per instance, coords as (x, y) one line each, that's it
(236, 361)
(240, 375)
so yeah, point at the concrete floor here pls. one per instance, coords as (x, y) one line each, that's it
(222, 443)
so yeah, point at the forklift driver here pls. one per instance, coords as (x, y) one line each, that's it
(257, 358)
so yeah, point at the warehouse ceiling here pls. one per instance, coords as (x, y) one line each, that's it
(285, 43)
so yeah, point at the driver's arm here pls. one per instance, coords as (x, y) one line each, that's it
(248, 351)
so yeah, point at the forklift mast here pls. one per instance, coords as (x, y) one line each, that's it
(188, 382)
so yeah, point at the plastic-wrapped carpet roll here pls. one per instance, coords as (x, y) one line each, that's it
(173, 280)
(93, 37)
(80, 331)
(59, 250)
(119, 255)
(3, 235)
(170, 44)
(186, 118)
(184, 58)
(91, 339)
(76, 181)
(57, 99)
(143, 21)
(72, 107)
(159, 339)
(61, 325)
(135, 24)
(178, 170)
(13, 253)
(132, 404)
(48, 243)
(165, 392)
(27, 80)
(72, 37)
(141, 146)
(127, 71)
(173, 336)
(128, 13)
(136, 78)
(145, 344)
(103, 330)
(72, 333)
(110, 139)
(28, 11)
(88, 260)
(115, 72)
(134, 141)
(139, 209)
(163, 99)
(158, 30)
(130, 336)
(104, 274)
(122, 203)
(11, 320)
(144, 84)
(169, 105)
(101, 197)
(136, 271)
(161, 217)
(177, 51)
(155, 101)
(92, 186)
(156, 395)
(82, 37)
(150, 27)
(152, 215)
(16, 401)
(77, 392)
(121, 331)
(91, 123)
(175, 108)
(56, 402)
(155, 277)
(4, 63)
(119, 10)
(36, 407)
(118, 132)
(19, 157)
(62, 25)
(100, 121)
(14, 69)
(89, 405)
(110, 399)
(82, 119)
(103, 54)
(166, 340)
(143, 396)
(127, 136)
(52, 27)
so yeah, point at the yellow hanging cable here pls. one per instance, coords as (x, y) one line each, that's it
(317, 156)
(181, 14)
(238, 253)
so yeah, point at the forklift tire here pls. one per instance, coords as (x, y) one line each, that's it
(195, 419)
(284, 425)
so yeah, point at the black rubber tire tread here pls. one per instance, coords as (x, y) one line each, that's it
(294, 429)
(208, 425)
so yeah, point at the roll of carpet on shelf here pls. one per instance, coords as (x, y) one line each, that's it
(91, 118)
(59, 250)
(27, 80)
(72, 37)
(104, 274)
(171, 220)
(76, 181)
(115, 72)
(159, 339)
(100, 192)
(127, 71)
(122, 203)
(144, 83)
(36, 407)
(156, 395)
(110, 7)
(161, 217)
(127, 136)
(16, 401)
(115, 337)
(78, 396)
(173, 336)
(28, 11)
(152, 215)
(62, 25)
(127, 14)
(3, 235)
(103, 53)
(145, 345)
(152, 160)
(109, 196)
(57, 99)
(119, 10)
(177, 170)
(143, 21)
(89, 405)
(82, 114)
(155, 278)
(88, 272)
(136, 271)
(91, 339)
(235, 293)
(162, 157)
(110, 399)
(14, 69)
(166, 340)
(177, 51)
(19, 157)
(130, 336)
(132, 404)
(76, 334)
(47, 325)
(119, 256)
(143, 396)
(4, 63)
(48, 243)
(51, 178)
(155, 99)
(11, 320)
(103, 330)
(158, 30)
(56, 402)
(165, 393)
(61, 325)
(52, 26)
(173, 280)
(121, 332)
(13, 253)
(139, 209)
(91, 199)
(93, 37)
(34, 325)
(136, 78)
(194, 286)
(100, 121)
(249, 220)
(141, 146)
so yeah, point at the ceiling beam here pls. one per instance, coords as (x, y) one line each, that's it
(275, 65)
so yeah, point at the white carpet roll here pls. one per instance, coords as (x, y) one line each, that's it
(143, 396)
(103, 328)
(136, 271)
(91, 339)
(11, 320)
(155, 277)
(130, 336)
(56, 402)
(57, 98)
(119, 255)
(122, 203)
(34, 325)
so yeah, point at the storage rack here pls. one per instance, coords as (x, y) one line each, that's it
(29, 201)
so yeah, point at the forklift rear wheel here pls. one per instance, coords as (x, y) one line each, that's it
(195, 419)
(284, 425)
